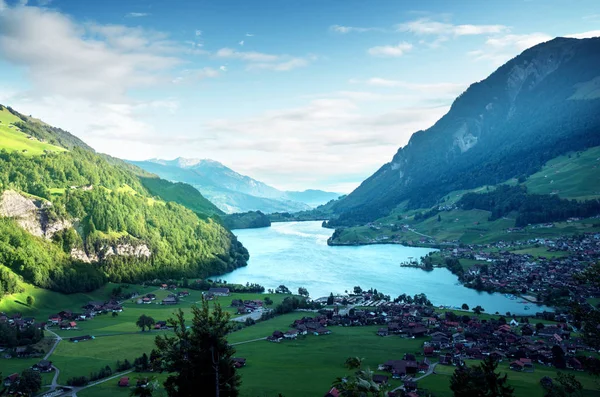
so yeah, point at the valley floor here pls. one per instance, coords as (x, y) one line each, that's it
(303, 367)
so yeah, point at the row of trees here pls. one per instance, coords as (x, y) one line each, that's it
(531, 208)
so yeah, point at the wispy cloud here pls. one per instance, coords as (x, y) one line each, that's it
(591, 16)
(390, 50)
(188, 75)
(263, 61)
(137, 14)
(281, 66)
(250, 56)
(198, 32)
(241, 43)
(500, 49)
(585, 35)
(426, 26)
(249, 35)
(452, 89)
(352, 29)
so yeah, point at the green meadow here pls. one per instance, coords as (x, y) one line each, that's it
(525, 384)
(303, 367)
(13, 139)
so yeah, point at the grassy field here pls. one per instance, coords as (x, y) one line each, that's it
(309, 365)
(572, 176)
(541, 252)
(12, 139)
(525, 384)
(49, 302)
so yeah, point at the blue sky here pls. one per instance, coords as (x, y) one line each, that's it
(297, 93)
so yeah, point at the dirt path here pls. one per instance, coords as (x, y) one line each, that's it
(248, 341)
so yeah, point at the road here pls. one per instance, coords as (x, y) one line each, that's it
(429, 372)
(58, 339)
(255, 315)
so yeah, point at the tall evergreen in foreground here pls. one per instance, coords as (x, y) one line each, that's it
(199, 357)
(480, 381)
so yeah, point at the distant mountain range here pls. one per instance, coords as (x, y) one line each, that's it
(233, 192)
(539, 105)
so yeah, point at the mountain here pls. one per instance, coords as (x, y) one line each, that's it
(231, 191)
(539, 105)
(72, 219)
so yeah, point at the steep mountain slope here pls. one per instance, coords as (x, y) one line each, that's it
(231, 191)
(72, 219)
(537, 106)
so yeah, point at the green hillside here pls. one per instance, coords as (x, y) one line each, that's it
(181, 193)
(571, 176)
(116, 222)
(13, 139)
(574, 175)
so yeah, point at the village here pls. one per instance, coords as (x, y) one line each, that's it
(419, 339)
(546, 277)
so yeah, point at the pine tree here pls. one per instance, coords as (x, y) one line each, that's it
(480, 381)
(199, 357)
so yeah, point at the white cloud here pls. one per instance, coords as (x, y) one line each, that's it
(426, 26)
(435, 88)
(43, 3)
(390, 50)
(249, 56)
(350, 29)
(241, 43)
(93, 61)
(281, 66)
(591, 16)
(585, 35)
(500, 49)
(137, 14)
(293, 138)
(262, 61)
(249, 35)
(198, 33)
(223, 68)
(195, 75)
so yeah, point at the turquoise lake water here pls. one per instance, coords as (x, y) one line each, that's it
(296, 254)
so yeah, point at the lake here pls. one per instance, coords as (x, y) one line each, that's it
(296, 254)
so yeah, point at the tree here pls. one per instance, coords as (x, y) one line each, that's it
(145, 387)
(30, 382)
(353, 362)
(439, 219)
(30, 300)
(330, 299)
(144, 322)
(478, 309)
(199, 356)
(465, 306)
(539, 327)
(268, 301)
(480, 381)
(357, 290)
(303, 292)
(558, 357)
(115, 314)
(282, 289)
(360, 384)
(566, 386)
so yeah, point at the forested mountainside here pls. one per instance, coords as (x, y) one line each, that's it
(71, 219)
(541, 104)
